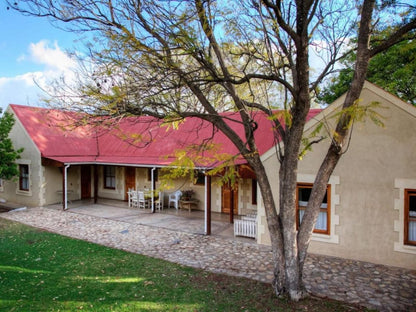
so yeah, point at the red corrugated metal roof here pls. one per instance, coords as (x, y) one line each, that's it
(134, 140)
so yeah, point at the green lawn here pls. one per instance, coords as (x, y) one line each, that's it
(40, 271)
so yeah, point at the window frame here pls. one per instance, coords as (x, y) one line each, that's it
(23, 178)
(155, 174)
(327, 209)
(111, 175)
(254, 191)
(407, 218)
(199, 177)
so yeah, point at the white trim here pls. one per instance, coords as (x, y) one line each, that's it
(66, 187)
(152, 182)
(335, 201)
(398, 224)
(205, 205)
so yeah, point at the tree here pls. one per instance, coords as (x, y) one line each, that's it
(393, 70)
(175, 59)
(8, 156)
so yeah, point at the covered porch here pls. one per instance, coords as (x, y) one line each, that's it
(181, 220)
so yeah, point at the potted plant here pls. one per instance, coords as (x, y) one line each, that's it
(187, 194)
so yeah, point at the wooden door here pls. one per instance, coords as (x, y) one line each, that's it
(130, 180)
(85, 182)
(226, 199)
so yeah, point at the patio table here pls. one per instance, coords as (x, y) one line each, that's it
(188, 203)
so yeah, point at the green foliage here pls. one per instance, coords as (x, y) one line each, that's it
(359, 113)
(8, 155)
(41, 271)
(355, 113)
(393, 70)
(188, 160)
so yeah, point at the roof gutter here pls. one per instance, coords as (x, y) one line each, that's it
(66, 186)
(152, 189)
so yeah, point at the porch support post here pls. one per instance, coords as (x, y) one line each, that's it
(65, 188)
(152, 194)
(207, 205)
(231, 204)
(95, 184)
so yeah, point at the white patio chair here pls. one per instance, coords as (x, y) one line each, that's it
(174, 198)
(130, 195)
(159, 202)
(133, 199)
(141, 200)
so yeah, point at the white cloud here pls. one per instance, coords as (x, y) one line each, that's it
(52, 57)
(27, 88)
(19, 90)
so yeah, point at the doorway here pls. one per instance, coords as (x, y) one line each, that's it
(227, 191)
(130, 180)
(85, 182)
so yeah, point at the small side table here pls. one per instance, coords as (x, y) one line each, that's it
(188, 203)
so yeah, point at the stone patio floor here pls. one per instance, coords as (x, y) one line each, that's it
(373, 286)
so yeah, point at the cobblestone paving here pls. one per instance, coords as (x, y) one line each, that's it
(373, 286)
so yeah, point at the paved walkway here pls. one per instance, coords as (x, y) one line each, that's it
(373, 286)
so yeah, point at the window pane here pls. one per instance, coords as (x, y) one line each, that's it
(321, 223)
(411, 218)
(155, 174)
(254, 191)
(304, 194)
(110, 177)
(412, 231)
(24, 177)
(412, 205)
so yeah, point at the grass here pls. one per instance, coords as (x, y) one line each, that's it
(41, 271)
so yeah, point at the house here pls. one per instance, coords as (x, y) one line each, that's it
(369, 212)
(66, 158)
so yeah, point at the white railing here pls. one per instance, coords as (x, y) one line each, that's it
(247, 227)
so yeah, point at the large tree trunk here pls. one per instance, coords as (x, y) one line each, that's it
(274, 226)
(342, 131)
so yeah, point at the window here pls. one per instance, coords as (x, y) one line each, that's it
(155, 174)
(303, 192)
(199, 178)
(410, 217)
(24, 177)
(109, 177)
(254, 191)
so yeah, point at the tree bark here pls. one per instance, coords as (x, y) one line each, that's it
(274, 225)
(341, 133)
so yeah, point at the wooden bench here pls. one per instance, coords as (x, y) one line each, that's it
(188, 204)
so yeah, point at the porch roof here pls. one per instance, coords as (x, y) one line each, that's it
(142, 141)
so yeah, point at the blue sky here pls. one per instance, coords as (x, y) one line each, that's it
(30, 49)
